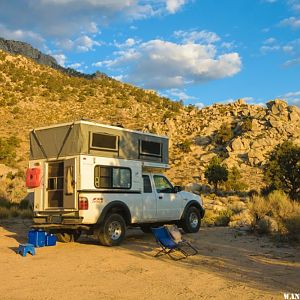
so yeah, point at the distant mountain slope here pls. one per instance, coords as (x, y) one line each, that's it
(34, 95)
(25, 49)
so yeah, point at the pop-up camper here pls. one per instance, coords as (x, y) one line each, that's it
(100, 179)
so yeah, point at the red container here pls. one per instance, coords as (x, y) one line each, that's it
(33, 177)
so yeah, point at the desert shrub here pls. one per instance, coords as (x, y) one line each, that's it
(223, 218)
(224, 135)
(276, 213)
(234, 182)
(185, 146)
(26, 214)
(216, 172)
(8, 149)
(247, 125)
(4, 213)
(14, 211)
(4, 202)
(209, 218)
(283, 169)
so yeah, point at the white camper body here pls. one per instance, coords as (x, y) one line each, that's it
(98, 189)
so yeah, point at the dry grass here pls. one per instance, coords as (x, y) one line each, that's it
(276, 213)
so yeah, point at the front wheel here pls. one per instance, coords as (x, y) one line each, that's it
(112, 231)
(192, 220)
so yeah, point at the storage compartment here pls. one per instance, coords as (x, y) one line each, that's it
(37, 237)
(33, 177)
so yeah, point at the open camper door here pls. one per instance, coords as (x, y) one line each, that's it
(70, 191)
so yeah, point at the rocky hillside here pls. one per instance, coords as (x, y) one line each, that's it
(34, 95)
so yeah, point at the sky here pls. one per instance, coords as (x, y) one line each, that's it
(198, 51)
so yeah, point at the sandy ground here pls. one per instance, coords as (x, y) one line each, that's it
(229, 266)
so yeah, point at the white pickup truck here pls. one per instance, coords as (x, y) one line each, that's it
(102, 193)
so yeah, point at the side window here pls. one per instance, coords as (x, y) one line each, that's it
(147, 184)
(162, 184)
(112, 177)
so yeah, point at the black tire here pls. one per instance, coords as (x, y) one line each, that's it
(192, 220)
(68, 236)
(112, 231)
(146, 228)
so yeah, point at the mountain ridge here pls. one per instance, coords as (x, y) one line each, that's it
(21, 48)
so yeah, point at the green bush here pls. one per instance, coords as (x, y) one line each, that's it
(8, 149)
(224, 135)
(4, 213)
(185, 146)
(223, 218)
(234, 182)
(216, 172)
(283, 169)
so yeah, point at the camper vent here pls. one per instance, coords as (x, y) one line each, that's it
(150, 148)
(103, 141)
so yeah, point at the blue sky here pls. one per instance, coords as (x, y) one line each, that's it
(201, 51)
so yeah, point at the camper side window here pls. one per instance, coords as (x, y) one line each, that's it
(112, 177)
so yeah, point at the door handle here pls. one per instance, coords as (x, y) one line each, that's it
(160, 197)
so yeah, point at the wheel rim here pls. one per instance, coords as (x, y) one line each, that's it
(115, 230)
(193, 220)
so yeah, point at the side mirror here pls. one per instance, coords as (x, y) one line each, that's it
(177, 189)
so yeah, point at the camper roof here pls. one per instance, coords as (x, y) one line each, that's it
(95, 123)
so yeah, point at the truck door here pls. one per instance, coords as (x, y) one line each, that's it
(149, 200)
(70, 194)
(168, 202)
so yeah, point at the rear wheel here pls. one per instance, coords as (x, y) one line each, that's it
(112, 231)
(192, 220)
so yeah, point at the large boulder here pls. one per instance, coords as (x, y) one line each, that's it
(277, 106)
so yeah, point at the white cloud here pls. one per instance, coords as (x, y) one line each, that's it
(292, 62)
(202, 36)
(266, 49)
(66, 19)
(179, 95)
(128, 43)
(292, 22)
(292, 97)
(269, 41)
(60, 58)
(161, 64)
(200, 105)
(294, 5)
(174, 5)
(82, 44)
(75, 65)
(22, 35)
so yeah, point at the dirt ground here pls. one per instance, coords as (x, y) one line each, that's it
(230, 265)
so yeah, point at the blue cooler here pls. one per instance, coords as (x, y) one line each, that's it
(37, 237)
(50, 239)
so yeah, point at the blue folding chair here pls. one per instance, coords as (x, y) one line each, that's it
(168, 245)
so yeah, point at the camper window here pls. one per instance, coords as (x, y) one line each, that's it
(112, 177)
(103, 141)
(150, 148)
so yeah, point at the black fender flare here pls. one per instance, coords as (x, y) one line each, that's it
(117, 206)
(195, 204)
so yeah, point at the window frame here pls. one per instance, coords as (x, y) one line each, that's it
(150, 154)
(160, 192)
(144, 176)
(111, 177)
(116, 149)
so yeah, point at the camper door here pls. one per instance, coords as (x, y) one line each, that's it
(70, 195)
